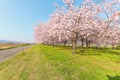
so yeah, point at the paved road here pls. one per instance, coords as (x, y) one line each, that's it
(5, 54)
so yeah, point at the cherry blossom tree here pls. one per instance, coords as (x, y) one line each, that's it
(90, 23)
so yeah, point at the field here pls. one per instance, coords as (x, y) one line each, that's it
(42, 62)
(4, 46)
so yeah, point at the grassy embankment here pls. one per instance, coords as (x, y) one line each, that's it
(47, 63)
(4, 46)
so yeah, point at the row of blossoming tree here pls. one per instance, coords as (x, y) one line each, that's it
(93, 22)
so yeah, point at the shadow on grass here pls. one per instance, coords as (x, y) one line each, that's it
(88, 52)
(107, 51)
(113, 52)
(113, 77)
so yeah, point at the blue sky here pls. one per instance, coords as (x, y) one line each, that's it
(18, 17)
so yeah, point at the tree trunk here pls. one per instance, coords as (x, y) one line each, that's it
(74, 46)
(65, 42)
(53, 45)
(87, 44)
(113, 46)
(82, 43)
(74, 43)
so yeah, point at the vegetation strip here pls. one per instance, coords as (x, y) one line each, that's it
(43, 62)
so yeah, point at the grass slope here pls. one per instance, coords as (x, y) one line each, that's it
(47, 63)
(5, 46)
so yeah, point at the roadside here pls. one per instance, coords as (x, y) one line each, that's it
(5, 54)
(4, 46)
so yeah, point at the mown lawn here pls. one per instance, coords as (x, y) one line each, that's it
(47, 63)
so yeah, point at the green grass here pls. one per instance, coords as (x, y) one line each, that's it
(8, 48)
(13, 46)
(47, 63)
